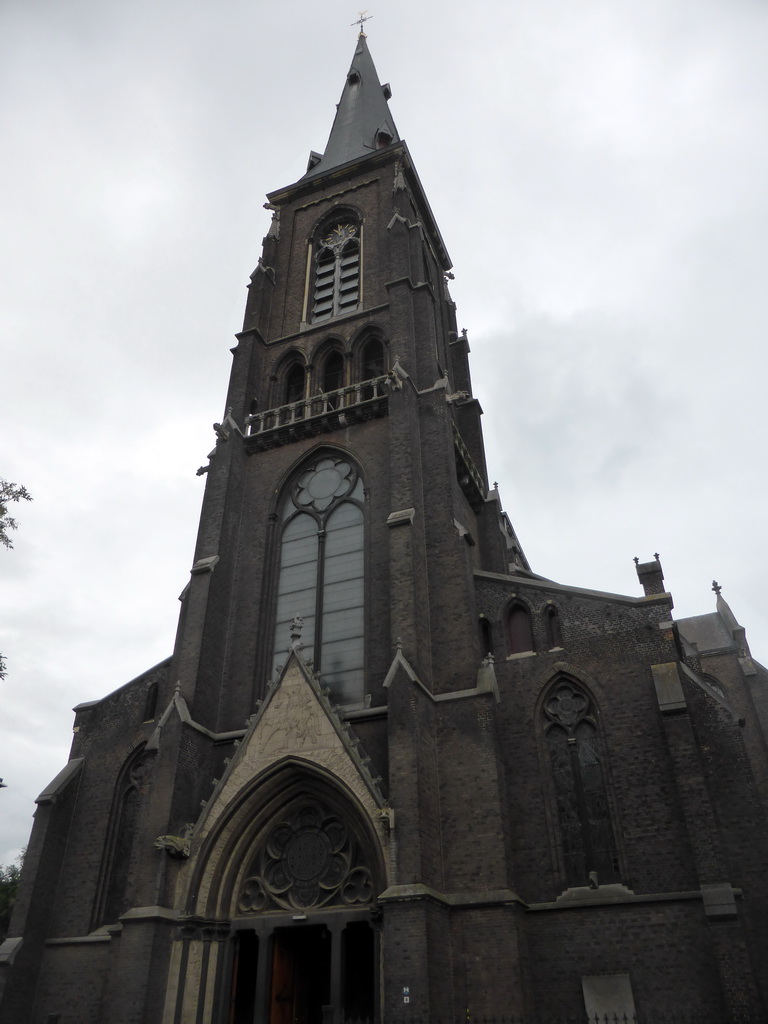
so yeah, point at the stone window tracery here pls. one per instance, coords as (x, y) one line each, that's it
(114, 897)
(586, 831)
(337, 270)
(309, 859)
(321, 574)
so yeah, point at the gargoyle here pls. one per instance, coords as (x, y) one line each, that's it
(176, 846)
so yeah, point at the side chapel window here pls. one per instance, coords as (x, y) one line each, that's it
(321, 573)
(337, 271)
(114, 897)
(520, 629)
(553, 627)
(570, 728)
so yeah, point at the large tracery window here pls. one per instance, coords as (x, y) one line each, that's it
(321, 574)
(113, 898)
(586, 832)
(337, 271)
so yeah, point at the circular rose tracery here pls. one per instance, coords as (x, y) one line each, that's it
(328, 480)
(308, 860)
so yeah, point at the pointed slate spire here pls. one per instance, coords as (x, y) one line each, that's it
(363, 122)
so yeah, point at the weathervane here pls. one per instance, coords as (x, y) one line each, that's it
(362, 20)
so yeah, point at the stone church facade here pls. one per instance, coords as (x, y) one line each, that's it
(390, 773)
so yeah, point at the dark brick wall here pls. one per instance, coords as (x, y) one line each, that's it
(71, 983)
(664, 948)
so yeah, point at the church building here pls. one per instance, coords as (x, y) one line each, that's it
(389, 773)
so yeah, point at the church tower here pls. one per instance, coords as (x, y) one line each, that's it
(388, 772)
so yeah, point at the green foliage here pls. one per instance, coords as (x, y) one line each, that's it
(10, 492)
(9, 884)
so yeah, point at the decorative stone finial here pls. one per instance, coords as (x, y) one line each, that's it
(716, 587)
(636, 560)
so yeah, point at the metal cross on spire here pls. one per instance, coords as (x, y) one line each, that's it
(364, 16)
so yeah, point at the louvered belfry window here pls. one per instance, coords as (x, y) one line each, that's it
(337, 271)
(321, 574)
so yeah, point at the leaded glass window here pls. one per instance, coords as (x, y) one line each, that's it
(321, 574)
(586, 832)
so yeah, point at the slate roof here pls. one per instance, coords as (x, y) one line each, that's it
(708, 632)
(361, 115)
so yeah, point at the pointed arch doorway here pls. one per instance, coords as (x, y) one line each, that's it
(319, 971)
(306, 945)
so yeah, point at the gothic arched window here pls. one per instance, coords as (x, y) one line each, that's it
(486, 636)
(373, 362)
(333, 372)
(337, 270)
(583, 811)
(150, 703)
(520, 629)
(294, 384)
(332, 379)
(114, 894)
(553, 627)
(321, 573)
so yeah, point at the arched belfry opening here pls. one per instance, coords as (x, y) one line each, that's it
(300, 892)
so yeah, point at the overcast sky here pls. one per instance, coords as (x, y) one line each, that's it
(598, 170)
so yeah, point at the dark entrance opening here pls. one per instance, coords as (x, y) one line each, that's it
(359, 977)
(243, 1007)
(301, 974)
